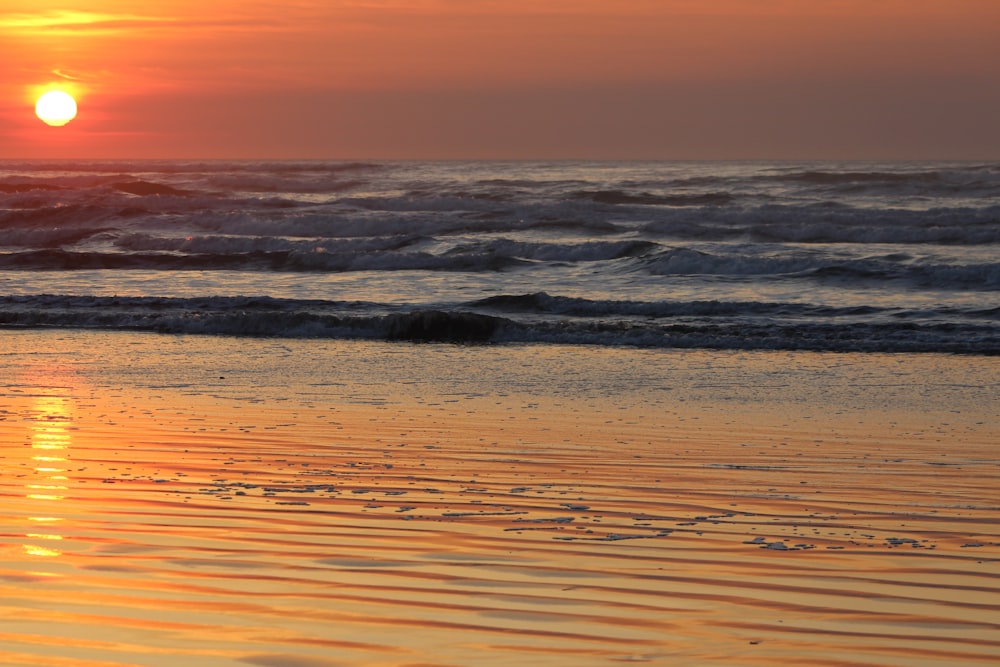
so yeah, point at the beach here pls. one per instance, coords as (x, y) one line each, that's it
(226, 501)
(500, 334)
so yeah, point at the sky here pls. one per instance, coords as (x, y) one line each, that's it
(504, 79)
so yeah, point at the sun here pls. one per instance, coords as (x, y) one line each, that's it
(56, 107)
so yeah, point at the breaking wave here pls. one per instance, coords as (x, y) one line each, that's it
(514, 318)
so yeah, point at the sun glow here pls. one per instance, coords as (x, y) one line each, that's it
(56, 107)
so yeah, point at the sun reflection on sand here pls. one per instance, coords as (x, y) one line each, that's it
(51, 420)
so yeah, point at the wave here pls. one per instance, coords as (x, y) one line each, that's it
(247, 316)
(942, 180)
(147, 188)
(48, 237)
(64, 217)
(319, 261)
(735, 262)
(223, 245)
(421, 253)
(650, 199)
(589, 251)
(321, 205)
(27, 187)
(514, 319)
(841, 224)
(839, 177)
(448, 216)
(541, 302)
(187, 211)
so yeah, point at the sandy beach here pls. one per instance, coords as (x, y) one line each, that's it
(224, 502)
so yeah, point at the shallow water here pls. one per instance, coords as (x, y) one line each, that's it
(226, 502)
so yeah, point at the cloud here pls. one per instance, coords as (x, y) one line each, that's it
(69, 76)
(287, 661)
(72, 20)
(86, 23)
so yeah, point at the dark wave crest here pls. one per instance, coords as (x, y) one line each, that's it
(146, 188)
(514, 319)
(649, 199)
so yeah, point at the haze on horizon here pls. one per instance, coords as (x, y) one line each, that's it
(507, 79)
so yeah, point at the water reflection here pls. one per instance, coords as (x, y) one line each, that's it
(50, 420)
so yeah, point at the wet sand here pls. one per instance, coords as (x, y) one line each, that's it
(220, 502)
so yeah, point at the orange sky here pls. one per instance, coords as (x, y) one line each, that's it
(505, 78)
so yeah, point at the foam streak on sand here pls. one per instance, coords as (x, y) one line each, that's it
(321, 503)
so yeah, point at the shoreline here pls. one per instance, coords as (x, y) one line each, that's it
(270, 502)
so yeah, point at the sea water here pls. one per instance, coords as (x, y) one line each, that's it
(889, 257)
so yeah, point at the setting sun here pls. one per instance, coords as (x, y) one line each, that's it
(56, 107)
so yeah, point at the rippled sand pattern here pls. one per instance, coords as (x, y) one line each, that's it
(167, 527)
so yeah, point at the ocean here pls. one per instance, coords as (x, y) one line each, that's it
(820, 256)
